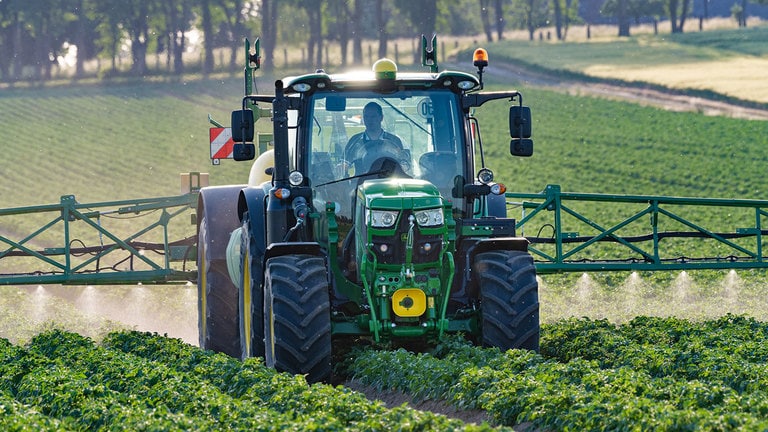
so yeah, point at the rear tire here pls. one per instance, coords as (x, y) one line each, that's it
(216, 298)
(509, 299)
(297, 316)
(251, 296)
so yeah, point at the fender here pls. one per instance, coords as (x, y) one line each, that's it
(253, 200)
(292, 248)
(468, 249)
(219, 205)
(499, 243)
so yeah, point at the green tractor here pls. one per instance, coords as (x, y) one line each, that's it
(396, 233)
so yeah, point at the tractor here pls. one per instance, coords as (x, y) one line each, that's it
(395, 239)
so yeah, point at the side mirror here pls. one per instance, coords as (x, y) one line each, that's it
(243, 152)
(521, 147)
(242, 126)
(519, 122)
(335, 103)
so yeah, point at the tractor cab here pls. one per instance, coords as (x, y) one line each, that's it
(420, 137)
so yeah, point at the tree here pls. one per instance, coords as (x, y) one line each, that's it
(10, 35)
(383, 14)
(208, 45)
(338, 20)
(178, 17)
(131, 16)
(499, 8)
(233, 21)
(623, 10)
(535, 14)
(485, 17)
(269, 32)
(422, 15)
(677, 11)
(80, 37)
(314, 9)
(565, 11)
(46, 24)
(357, 32)
(739, 11)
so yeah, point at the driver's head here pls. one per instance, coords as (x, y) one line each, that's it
(372, 116)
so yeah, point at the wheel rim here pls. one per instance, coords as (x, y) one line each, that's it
(247, 312)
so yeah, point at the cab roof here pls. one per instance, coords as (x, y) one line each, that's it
(367, 80)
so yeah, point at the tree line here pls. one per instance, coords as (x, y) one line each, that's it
(36, 34)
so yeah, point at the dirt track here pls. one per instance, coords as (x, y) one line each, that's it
(644, 96)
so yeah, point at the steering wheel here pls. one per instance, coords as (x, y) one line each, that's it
(367, 152)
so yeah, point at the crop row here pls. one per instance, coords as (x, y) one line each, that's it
(140, 381)
(648, 374)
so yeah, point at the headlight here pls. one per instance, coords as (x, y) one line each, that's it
(485, 176)
(466, 85)
(296, 178)
(429, 218)
(301, 87)
(382, 218)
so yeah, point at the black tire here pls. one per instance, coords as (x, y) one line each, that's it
(251, 295)
(216, 298)
(509, 296)
(297, 316)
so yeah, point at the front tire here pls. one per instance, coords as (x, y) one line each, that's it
(509, 299)
(297, 316)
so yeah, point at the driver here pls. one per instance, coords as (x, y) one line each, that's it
(355, 150)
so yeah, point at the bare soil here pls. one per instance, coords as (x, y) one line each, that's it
(396, 398)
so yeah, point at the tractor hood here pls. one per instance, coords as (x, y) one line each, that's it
(399, 194)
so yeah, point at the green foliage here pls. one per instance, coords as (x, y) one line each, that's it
(142, 381)
(649, 374)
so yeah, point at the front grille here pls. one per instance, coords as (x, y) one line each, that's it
(391, 250)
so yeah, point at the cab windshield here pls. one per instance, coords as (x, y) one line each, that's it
(353, 134)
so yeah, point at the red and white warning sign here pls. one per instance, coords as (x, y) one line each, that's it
(221, 143)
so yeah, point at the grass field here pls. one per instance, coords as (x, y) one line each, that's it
(109, 142)
(730, 62)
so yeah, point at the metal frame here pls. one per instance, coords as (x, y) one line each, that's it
(620, 244)
(121, 259)
(626, 244)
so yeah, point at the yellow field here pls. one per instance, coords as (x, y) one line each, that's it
(742, 77)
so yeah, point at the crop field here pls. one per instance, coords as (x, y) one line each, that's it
(647, 374)
(139, 381)
(620, 351)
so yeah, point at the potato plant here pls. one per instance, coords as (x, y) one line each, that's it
(141, 381)
(647, 374)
